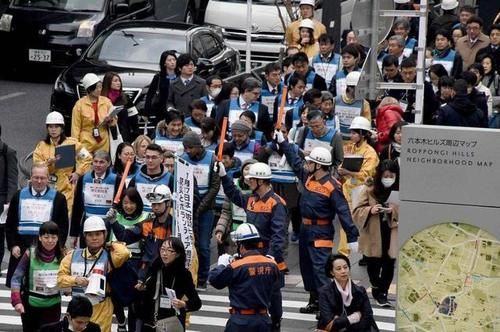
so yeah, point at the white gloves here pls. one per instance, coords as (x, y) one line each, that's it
(278, 135)
(354, 246)
(354, 318)
(111, 215)
(219, 168)
(224, 259)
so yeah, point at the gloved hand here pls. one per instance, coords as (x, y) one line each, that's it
(340, 323)
(272, 257)
(111, 215)
(219, 168)
(224, 259)
(354, 246)
(278, 135)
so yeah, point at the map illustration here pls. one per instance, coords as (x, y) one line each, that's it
(449, 280)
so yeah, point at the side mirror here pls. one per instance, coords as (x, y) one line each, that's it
(121, 9)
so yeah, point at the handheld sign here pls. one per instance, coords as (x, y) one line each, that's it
(221, 140)
(122, 182)
(281, 111)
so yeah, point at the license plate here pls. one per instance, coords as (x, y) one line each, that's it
(39, 55)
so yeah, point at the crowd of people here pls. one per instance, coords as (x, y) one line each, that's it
(296, 150)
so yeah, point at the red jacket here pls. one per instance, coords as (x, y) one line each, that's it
(387, 116)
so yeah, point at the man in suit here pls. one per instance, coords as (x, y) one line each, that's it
(187, 87)
(247, 101)
(8, 182)
(493, 48)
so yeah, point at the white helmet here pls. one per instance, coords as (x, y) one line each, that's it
(307, 2)
(449, 4)
(352, 78)
(259, 171)
(320, 155)
(161, 193)
(245, 232)
(93, 224)
(307, 23)
(360, 122)
(89, 79)
(54, 118)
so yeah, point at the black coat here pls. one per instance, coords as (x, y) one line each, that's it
(494, 53)
(8, 174)
(176, 277)
(180, 96)
(264, 122)
(157, 110)
(461, 112)
(331, 305)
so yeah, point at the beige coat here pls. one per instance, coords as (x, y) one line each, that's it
(370, 239)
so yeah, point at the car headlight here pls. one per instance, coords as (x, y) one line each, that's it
(5, 22)
(61, 86)
(86, 29)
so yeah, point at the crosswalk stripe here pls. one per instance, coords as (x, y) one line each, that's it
(214, 311)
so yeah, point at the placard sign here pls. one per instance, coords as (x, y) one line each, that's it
(183, 206)
(449, 230)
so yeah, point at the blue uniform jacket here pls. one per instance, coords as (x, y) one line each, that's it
(250, 280)
(268, 214)
(320, 200)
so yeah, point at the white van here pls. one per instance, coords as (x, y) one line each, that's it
(267, 28)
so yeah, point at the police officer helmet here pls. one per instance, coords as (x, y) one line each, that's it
(245, 232)
(161, 193)
(320, 155)
(259, 171)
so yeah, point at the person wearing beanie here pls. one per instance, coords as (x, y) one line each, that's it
(461, 111)
(202, 161)
(244, 147)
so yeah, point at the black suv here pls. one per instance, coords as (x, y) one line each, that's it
(133, 49)
(54, 33)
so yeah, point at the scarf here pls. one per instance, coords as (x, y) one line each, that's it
(114, 95)
(346, 294)
(396, 147)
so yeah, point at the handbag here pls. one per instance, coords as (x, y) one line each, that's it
(169, 324)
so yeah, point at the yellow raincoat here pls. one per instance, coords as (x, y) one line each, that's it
(83, 123)
(102, 313)
(44, 151)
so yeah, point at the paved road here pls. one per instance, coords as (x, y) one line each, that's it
(23, 107)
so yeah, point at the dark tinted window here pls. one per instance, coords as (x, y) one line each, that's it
(197, 46)
(211, 46)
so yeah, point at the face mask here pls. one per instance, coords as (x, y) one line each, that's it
(388, 182)
(215, 92)
(428, 63)
(397, 146)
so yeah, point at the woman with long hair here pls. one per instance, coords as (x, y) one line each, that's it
(376, 215)
(34, 292)
(169, 272)
(112, 88)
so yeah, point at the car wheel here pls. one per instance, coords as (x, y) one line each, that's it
(189, 17)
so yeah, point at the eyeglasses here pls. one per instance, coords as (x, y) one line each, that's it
(167, 251)
(128, 154)
(473, 28)
(151, 157)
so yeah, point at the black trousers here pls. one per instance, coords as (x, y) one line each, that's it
(381, 272)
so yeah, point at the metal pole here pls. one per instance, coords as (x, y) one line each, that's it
(373, 51)
(249, 37)
(422, 32)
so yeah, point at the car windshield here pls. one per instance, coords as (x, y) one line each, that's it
(136, 45)
(68, 5)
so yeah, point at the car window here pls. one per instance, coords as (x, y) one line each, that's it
(211, 46)
(69, 5)
(136, 45)
(197, 47)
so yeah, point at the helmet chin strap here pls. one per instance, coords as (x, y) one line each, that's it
(315, 169)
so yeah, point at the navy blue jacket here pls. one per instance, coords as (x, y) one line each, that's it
(462, 112)
(250, 279)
